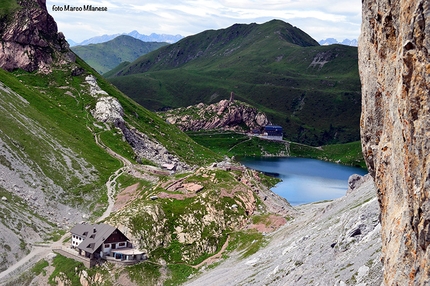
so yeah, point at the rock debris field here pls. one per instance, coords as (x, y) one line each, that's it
(329, 243)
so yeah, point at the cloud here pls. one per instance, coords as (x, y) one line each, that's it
(320, 19)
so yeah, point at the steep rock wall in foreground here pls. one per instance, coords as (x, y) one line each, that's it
(30, 39)
(395, 127)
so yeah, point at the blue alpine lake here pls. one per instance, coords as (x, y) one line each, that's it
(305, 180)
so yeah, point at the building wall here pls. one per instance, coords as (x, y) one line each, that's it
(76, 240)
(272, 130)
(107, 247)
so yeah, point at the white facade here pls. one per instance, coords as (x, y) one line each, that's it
(76, 240)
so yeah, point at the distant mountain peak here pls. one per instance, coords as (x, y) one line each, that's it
(105, 56)
(135, 34)
(332, 41)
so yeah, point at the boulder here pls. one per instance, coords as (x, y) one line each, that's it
(193, 187)
(108, 109)
(354, 181)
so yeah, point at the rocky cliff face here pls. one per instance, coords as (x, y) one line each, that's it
(395, 125)
(226, 115)
(30, 39)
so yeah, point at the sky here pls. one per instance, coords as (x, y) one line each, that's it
(321, 19)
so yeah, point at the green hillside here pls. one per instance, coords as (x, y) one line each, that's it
(7, 6)
(116, 69)
(105, 56)
(50, 131)
(312, 91)
(64, 116)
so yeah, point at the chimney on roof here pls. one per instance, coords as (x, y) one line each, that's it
(94, 230)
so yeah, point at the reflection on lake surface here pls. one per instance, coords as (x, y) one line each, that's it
(305, 180)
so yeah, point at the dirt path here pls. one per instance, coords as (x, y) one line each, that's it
(214, 257)
(234, 146)
(39, 252)
(111, 187)
(26, 262)
(36, 254)
(111, 183)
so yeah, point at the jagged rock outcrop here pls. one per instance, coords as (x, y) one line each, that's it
(30, 39)
(394, 66)
(226, 115)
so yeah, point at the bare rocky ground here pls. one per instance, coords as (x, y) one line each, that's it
(329, 243)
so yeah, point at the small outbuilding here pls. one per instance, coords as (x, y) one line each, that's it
(273, 132)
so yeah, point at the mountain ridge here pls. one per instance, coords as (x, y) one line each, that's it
(312, 91)
(153, 37)
(222, 40)
(346, 42)
(106, 56)
(73, 141)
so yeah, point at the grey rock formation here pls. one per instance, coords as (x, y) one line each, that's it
(354, 181)
(226, 115)
(109, 110)
(35, 45)
(394, 67)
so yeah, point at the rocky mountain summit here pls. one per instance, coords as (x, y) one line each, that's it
(33, 46)
(225, 115)
(394, 68)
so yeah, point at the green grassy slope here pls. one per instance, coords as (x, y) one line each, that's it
(116, 69)
(240, 145)
(105, 56)
(7, 6)
(269, 66)
(58, 113)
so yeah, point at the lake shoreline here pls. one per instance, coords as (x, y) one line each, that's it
(305, 180)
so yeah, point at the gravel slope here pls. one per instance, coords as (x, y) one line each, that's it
(331, 243)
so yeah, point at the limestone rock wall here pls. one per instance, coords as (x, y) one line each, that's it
(30, 39)
(395, 130)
